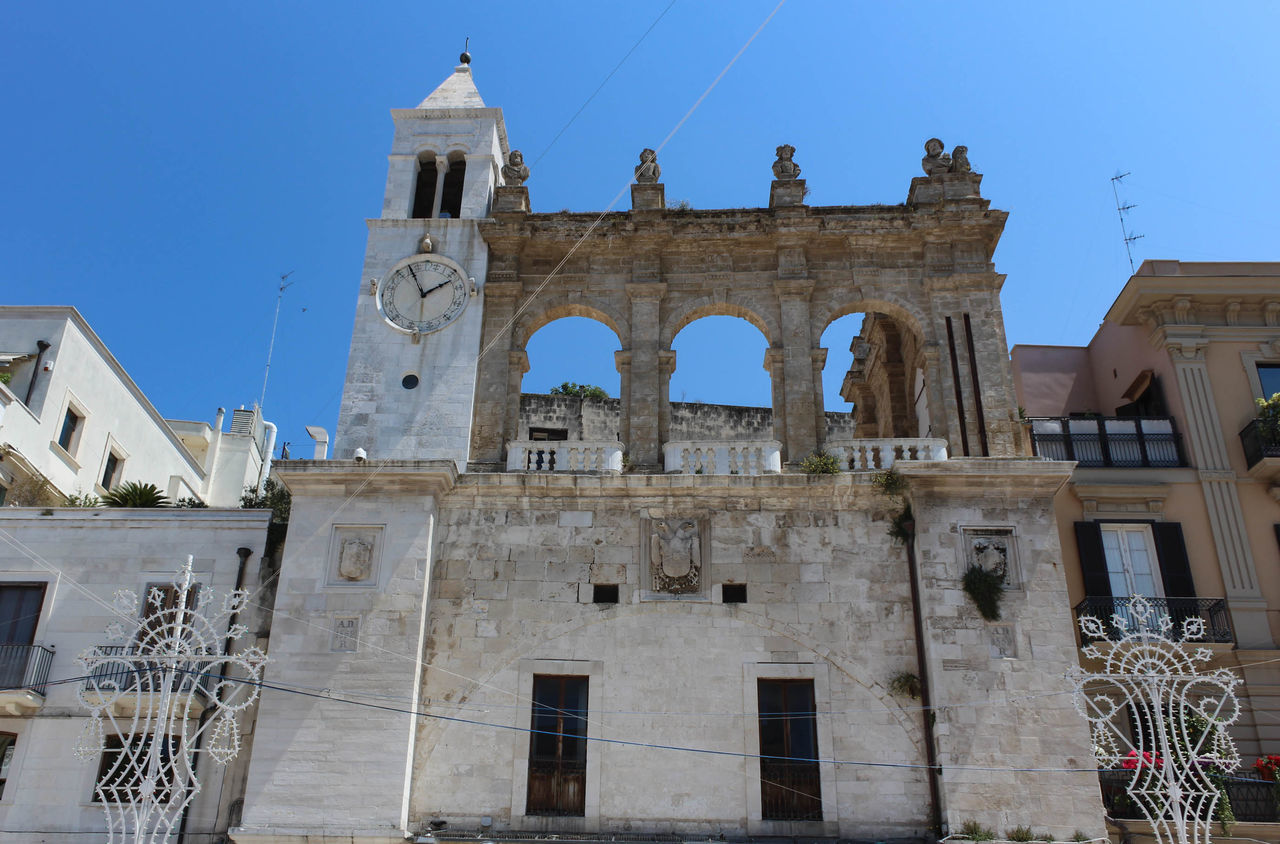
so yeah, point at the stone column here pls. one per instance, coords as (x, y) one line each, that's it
(517, 366)
(643, 405)
(819, 358)
(1186, 346)
(666, 368)
(778, 394)
(489, 433)
(442, 167)
(797, 365)
(622, 360)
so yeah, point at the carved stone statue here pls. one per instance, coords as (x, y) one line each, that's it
(960, 160)
(355, 558)
(647, 171)
(785, 169)
(935, 161)
(515, 172)
(675, 556)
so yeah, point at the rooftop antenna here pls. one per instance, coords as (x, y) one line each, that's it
(271, 347)
(1121, 210)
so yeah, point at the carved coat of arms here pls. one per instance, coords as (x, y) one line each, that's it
(675, 555)
(355, 558)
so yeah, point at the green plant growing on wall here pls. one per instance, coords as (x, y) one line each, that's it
(1020, 833)
(986, 589)
(6, 377)
(83, 499)
(135, 494)
(974, 831)
(274, 497)
(1269, 417)
(190, 502)
(582, 391)
(894, 486)
(820, 462)
(905, 684)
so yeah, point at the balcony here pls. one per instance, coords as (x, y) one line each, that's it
(24, 671)
(1121, 442)
(745, 457)
(869, 455)
(1213, 611)
(125, 682)
(1261, 451)
(1252, 800)
(564, 456)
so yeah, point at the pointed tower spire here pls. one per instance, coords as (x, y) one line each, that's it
(457, 91)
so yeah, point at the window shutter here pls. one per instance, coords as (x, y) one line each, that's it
(1175, 568)
(1093, 563)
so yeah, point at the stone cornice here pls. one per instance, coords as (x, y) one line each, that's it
(371, 477)
(985, 477)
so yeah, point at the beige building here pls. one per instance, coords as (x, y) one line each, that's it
(1174, 495)
(630, 617)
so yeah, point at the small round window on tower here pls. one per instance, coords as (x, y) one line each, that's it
(409, 381)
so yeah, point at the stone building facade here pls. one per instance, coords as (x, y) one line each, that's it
(653, 625)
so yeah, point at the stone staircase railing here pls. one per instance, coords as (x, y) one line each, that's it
(747, 457)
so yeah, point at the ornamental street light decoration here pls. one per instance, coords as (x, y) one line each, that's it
(1176, 709)
(146, 697)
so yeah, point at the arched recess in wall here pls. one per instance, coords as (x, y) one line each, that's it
(874, 378)
(451, 190)
(720, 389)
(575, 349)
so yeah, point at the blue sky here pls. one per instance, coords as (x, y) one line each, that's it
(164, 163)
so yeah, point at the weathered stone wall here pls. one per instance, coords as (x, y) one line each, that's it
(598, 419)
(827, 599)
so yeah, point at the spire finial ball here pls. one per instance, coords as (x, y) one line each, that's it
(465, 58)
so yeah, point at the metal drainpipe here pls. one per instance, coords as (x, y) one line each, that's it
(243, 554)
(926, 704)
(42, 346)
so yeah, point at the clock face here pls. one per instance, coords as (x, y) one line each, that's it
(423, 294)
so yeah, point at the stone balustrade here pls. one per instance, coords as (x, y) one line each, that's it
(746, 457)
(868, 455)
(564, 456)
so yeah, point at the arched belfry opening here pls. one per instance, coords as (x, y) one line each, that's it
(439, 186)
(451, 189)
(424, 194)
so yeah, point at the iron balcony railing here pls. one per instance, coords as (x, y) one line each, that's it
(790, 790)
(1252, 800)
(1213, 611)
(1260, 441)
(132, 672)
(24, 667)
(1127, 442)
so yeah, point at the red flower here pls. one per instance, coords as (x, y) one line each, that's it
(1149, 760)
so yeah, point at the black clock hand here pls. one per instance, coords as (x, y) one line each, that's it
(434, 289)
(415, 281)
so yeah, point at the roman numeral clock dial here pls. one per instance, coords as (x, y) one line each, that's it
(423, 294)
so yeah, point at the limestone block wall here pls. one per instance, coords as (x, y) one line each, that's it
(82, 557)
(828, 600)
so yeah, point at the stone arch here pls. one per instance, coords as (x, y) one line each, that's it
(830, 309)
(553, 309)
(695, 309)
(512, 654)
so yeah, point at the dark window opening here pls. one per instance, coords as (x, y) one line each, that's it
(1146, 397)
(7, 743)
(20, 605)
(110, 471)
(790, 784)
(1269, 375)
(451, 193)
(163, 613)
(118, 779)
(734, 593)
(70, 427)
(604, 593)
(409, 381)
(558, 747)
(558, 435)
(424, 194)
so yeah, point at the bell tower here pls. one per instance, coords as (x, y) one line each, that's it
(411, 371)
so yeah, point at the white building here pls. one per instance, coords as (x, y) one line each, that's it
(71, 419)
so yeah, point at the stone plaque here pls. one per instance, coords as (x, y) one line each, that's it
(675, 551)
(346, 634)
(992, 549)
(1003, 642)
(354, 555)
